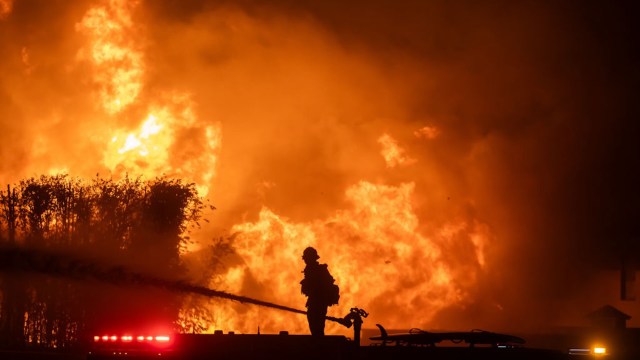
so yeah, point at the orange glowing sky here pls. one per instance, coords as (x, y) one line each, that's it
(445, 159)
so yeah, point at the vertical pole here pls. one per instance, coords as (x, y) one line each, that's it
(357, 325)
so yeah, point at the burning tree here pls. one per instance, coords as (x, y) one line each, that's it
(141, 225)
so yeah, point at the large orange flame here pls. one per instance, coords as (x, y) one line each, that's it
(375, 250)
(112, 49)
(376, 247)
(384, 256)
(149, 150)
(434, 153)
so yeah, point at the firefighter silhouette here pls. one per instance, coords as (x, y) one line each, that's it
(318, 285)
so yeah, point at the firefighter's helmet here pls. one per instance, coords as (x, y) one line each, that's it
(310, 253)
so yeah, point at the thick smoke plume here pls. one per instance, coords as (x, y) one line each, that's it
(513, 124)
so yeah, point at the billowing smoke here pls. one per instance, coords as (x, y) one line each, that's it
(503, 133)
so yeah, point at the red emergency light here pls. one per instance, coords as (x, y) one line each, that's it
(132, 345)
(129, 338)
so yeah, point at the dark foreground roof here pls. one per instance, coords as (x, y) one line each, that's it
(608, 312)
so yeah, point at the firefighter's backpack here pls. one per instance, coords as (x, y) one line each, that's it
(333, 295)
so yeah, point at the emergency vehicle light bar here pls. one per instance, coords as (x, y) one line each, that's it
(129, 338)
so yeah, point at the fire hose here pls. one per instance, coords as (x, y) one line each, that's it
(13, 259)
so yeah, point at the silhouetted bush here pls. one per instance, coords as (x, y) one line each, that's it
(140, 225)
